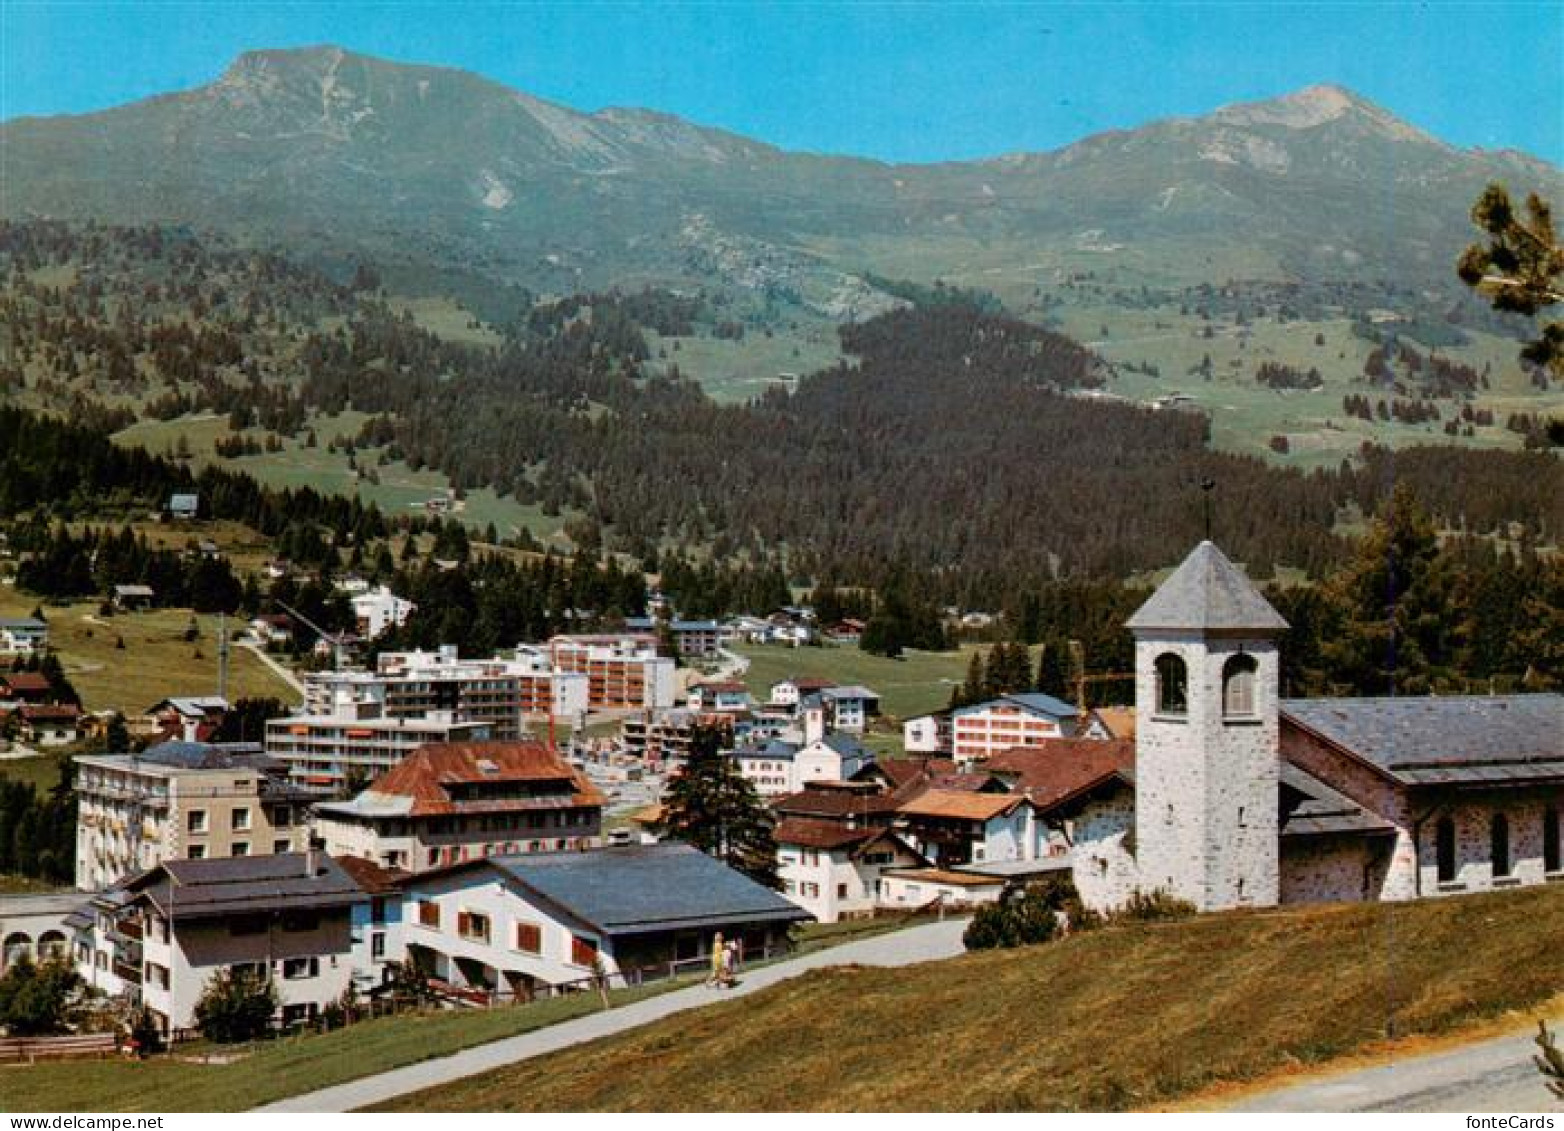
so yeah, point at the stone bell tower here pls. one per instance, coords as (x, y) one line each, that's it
(1207, 756)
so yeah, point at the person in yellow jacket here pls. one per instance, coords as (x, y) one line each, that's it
(717, 961)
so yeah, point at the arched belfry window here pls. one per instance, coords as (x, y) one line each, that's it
(1172, 685)
(1238, 686)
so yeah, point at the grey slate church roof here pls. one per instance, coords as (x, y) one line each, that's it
(1498, 739)
(1207, 592)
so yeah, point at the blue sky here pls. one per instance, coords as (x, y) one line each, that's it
(903, 81)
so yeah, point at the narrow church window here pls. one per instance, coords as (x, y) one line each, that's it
(1172, 685)
(1444, 849)
(1238, 680)
(1499, 834)
(1550, 840)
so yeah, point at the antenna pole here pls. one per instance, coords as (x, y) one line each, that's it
(222, 656)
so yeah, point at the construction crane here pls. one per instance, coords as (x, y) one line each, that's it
(1081, 679)
(336, 643)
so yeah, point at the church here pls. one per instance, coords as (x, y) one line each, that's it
(1230, 796)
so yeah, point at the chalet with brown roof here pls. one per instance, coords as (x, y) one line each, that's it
(449, 802)
(832, 868)
(25, 687)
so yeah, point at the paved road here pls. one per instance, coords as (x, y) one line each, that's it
(899, 948)
(1490, 1076)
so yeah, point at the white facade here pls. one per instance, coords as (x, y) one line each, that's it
(842, 882)
(23, 636)
(926, 734)
(321, 750)
(379, 610)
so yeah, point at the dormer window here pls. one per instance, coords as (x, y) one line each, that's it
(1238, 687)
(1172, 685)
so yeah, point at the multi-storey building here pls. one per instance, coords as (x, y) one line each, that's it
(497, 691)
(985, 729)
(182, 800)
(356, 740)
(446, 804)
(624, 671)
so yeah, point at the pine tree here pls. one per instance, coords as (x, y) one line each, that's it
(711, 805)
(1519, 269)
(1053, 674)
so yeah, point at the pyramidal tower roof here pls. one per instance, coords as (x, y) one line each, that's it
(1207, 593)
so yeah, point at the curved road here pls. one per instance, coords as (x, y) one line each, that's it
(898, 948)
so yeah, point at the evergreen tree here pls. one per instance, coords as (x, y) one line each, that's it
(1398, 605)
(1519, 269)
(1053, 673)
(236, 1006)
(711, 805)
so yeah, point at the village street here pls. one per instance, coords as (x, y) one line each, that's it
(898, 948)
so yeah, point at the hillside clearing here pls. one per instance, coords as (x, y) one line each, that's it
(1124, 1018)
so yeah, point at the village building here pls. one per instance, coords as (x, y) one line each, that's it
(849, 708)
(513, 925)
(131, 598)
(164, 933)
(51, 724)
(182, 800)
(794, 690)
(23, 636)
(624, 671)
(981, 730)
(833, 869)
(18, 688)
(272, 630)
(462, 801)
(357, 741)
(695, 639)
(720, 695)
(927, 734)
(378, 610)
(36, 927)
(187, 718)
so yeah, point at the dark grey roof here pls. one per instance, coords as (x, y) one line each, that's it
(1207, 593)
(212, 756)
(1310, 807)
(845, 745)
(776, 749)
(1470, 739)
(201, 889)
(643, 888)
(22, 622)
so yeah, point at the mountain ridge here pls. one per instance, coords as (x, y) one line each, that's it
(385, 159)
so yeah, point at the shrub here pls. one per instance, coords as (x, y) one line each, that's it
(236, 1006)
(37, 999)
(1023, 919)
(1146, 906)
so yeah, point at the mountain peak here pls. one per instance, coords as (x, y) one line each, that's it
(1315, 106)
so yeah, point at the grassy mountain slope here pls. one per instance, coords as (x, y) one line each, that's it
(1123, 1018)
(348, 149)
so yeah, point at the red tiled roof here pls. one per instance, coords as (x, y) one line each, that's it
(51, 711)
(1055, 771)
(811, 833)
(370, 876)
(426, 773)
(25, 681)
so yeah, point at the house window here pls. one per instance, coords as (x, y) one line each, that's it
(841, 891)
(241, 848)
(1550, 840)
(1238, 682)
(378, 906)
(195, 821)
(1172, 685)
(1444, 849)
(529, 938)
(196, 852)
(1499, 838)
(279, 847)
(377, 945)
(583, 952)
(473, 925)
(294, 969)
(429, 914)
(241, 820)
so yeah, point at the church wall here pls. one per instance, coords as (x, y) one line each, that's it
(1333, 869)
(1102, 859)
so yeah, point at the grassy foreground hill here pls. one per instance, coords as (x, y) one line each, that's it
(1128, 1017)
